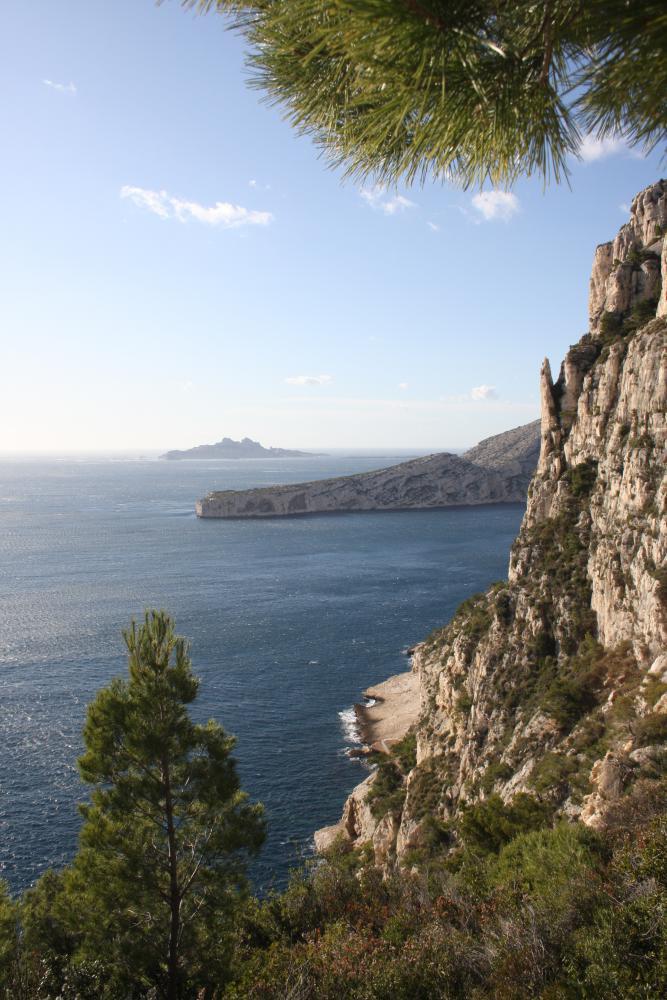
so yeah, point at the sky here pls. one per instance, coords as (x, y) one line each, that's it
(178, 265)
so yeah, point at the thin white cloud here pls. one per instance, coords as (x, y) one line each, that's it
(62, 88)
(625, 208)
(309, 379)
(188, 386)
(402, 386)
(494, 206)
(434, 226)
(378, 198)
(222, 213)
(483, 392)
(592, 148)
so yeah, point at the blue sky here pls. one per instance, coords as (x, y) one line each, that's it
(177, 265)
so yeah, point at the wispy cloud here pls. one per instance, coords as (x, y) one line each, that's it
(625, 208)
(309, 379)
(62, 88)
(592, 148)
(222, 213)
(483, 392)
(434, 226)
(403, 386)
(379, 198)
(495, 206)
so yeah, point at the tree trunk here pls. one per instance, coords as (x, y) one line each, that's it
(173, 989)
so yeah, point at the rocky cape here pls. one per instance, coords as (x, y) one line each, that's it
(228, 448)
(553, 684)
(497, 470)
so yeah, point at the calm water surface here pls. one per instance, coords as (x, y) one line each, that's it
(289, 620)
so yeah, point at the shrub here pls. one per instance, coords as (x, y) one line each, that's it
(545, 862)
(623, 951)
(426, 786)
(611, 326)
(386, 793)
(504, 608)
(496, 771)
(651, 729)
(582, 478)
(404, 752)
(472, 618)
(463, 703)
(487, 825)
(552, 773)
(640, 315)
(637, 257)
(574, 690)
(568, 698)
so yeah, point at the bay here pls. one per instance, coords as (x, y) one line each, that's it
(289, 619)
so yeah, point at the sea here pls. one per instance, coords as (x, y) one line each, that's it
(289, 619)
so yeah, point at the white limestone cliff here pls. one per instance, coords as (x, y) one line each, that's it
(553, 683)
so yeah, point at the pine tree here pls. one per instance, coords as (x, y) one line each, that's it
(166, 832)
(463, 89)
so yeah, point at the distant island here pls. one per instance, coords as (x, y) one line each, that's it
(227, 448)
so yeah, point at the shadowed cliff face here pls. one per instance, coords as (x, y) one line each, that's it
(497, 470)
(555, 683)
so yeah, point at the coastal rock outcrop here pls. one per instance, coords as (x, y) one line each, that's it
(497, 470)
(554, 684)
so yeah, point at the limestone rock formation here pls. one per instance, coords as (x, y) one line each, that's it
(555, 683)
(497, 470)
(627, 270)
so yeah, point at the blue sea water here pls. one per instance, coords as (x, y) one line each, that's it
(289, 620)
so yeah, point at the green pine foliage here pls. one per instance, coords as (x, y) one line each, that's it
(464, 89)
(150, 899)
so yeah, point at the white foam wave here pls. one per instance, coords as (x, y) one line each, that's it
(348, 720)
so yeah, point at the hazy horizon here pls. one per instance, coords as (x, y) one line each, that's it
(153, 453)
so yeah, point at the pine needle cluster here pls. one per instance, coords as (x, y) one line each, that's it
(465, 90)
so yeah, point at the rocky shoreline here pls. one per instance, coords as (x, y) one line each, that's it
(392, 708)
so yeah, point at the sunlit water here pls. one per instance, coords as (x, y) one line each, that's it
(289, 620)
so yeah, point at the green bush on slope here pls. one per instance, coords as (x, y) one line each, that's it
(556, 912)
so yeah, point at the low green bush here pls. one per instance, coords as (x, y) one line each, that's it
(487, 825)
(582, 478)
(386, 793)
(651, 729)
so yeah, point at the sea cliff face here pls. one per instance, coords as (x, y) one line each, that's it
(554, 684)
(497, 470)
